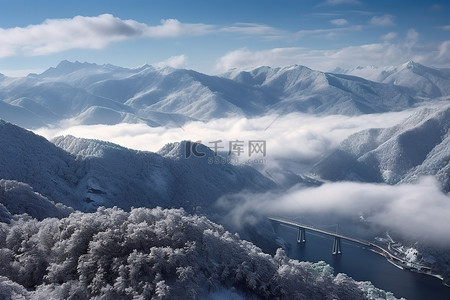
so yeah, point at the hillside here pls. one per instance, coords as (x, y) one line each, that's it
(85, 174)
(418, 146)
(299, 88)
(426, 81)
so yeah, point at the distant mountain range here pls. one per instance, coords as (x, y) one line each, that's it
(84, 93)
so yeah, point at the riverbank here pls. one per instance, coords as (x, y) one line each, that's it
(363, 265)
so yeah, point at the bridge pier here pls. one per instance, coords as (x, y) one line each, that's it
(301, 236)
(337, 246)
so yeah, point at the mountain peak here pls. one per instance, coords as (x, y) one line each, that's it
(279, 69)
(66, 67)
(411, 65)
(65, 64)
(185, 149)
(87, 147)
(295, 66)
(143, 67)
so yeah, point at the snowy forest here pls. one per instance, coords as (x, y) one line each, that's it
(154, 253)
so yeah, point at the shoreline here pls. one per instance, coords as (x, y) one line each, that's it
(405, 265)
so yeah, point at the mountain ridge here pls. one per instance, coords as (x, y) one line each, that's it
(85, 174)
(426, 81)
(402, 153)
(107, 94)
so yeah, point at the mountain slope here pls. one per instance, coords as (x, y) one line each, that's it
(418, 146)
(299, 88)
(18, 198)
(427, 82)
(31, 159)
(20, 115)
(97, 173)
(150, 179)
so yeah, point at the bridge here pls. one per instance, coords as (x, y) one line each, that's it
(301, 238)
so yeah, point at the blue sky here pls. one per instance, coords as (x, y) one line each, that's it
(213, 36)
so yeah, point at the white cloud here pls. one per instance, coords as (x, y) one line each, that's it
(247, 59)
(325, 33)
(436, 7)
(339, 2)
(325, 60)
(21, 72)
(339, 22)
(389, 36)
(254, 29)
(56, 35)
(177, 62)
(388, 53)
(299, 136)
(174, 28)
(446, 27)
(444, 52)
(412, 36)
(385, 20)
(80, 32)
(416, 211)
(413, 210)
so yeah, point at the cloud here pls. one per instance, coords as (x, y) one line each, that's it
(174, 28)
(444, 52)
(247, 59)
(56, 35)
(391, 52)
(389, 36)
(177, 62)
(416, 211)
(325, 60)
(339, 22)
(80, 32)
(325, 33)
(436, 7)
(446, 27)
(412, 210)
(412, 36)
(385, 20)
(339, 2)
(21, 72)
(306, 141)
(254, 29)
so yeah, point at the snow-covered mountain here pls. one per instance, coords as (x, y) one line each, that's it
(299, 88)
(418, 146)
(84, 93)
(92, 94)
(425, 81)
(85, 174)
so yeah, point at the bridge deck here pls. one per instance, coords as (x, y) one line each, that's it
(333, 234)
(372, 246)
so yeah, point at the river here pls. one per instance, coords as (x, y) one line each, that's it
(364, 265)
